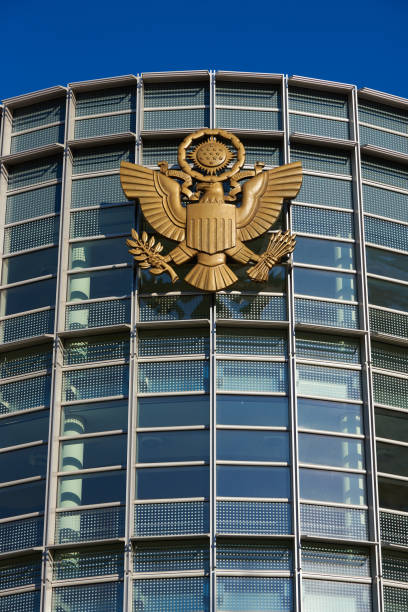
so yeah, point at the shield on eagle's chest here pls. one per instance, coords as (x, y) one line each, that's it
(211, 228)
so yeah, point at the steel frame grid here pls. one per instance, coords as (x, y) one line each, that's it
(62, 273)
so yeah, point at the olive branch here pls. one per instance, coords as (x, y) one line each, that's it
(146, 251)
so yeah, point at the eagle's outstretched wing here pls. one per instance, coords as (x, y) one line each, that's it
(159, 197)
(262, 199)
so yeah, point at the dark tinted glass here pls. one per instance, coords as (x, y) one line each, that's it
(392, 459)
(24, 463)
(37, 263)
(393, 494)
(161, 446)
(386, 263)
(91, 489)
(173, 411)
(106, 283)
(253, 481)
(172, 482)
(324, 253)
(330, 416)
(389, 295)
(22, 499)
(93, 452)
(239, 445)
(24, 428)
(98, 253)
(260, 410)
(28, 297)
(90, 418)
(391, 425)
(320, 283)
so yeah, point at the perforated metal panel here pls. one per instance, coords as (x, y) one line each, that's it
(331, 521)
(27, 326)
(97, 314)
(390, 323)
(330, 192)
(242, 593)
(173, 307)
(20, 534)
(319, 126)
(103, 158)
(378, 138)
(385, 203)
(264, 376)
(319, 102)
(38, 138)
(173, 376)
(322, 222)
(176, 119)
(31, 235)
(322, 160)
(110, 124)
(320, 595)
(95, 382)
(84, 525)
(33, 203)
(105, 101)
(96, 191)
(248, 119)
(177, 518)
(175, 594)
(252, 307)
(390, 391)
(254, 518)
(385, 172)
(394, 528)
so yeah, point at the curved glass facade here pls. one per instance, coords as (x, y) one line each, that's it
(165, 450)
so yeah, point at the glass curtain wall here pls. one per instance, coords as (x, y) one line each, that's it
(167, 449)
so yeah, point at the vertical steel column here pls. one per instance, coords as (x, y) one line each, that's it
(55, 398)
(368, 407)
(212, 98)
(132, 402)
(297, 579)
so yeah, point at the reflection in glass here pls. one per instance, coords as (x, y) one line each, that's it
(336, 487)
(95, 488)
(392, 425)
(105, 283)
(32, 265)
(320, 283)
(330, 416)
(172, 482)
(389, 295)
(173, 411)
(161, 446)
(387, 263)
(239, 445)
(93, 417)
(392, 459)
(22, 499)
(330, 450)
(92, 452)
(24, 428)
(104, 252)
(28, 297)
(393, 494)
(24, 463)
(263, 410)
(253, 481)
(315, 251)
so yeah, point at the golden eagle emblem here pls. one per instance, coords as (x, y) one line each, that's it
(214, 220)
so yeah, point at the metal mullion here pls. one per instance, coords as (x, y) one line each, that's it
(213, 448)
(367, 383)
(212, 86)
(55, 399)
(297, 569)
(324, 207)
(133, 386)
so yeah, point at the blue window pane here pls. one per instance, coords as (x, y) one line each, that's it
(22, 499)
(93, 452)
(87, 489)
(386, 263)
(334, 254)
(389, 295)
(320, 283)
(90, 418)
(393, 494)
(24, 463)
(28, 297)
(24, 428)
(251, 554)
(258, 376)
(333, 451)
(35, 264)
(105, 283)
(173, 411)
(330, 416)
(253, 481)
(157, 447)
(172, 482)
(238, 445)
(336, 487)
(260, 410)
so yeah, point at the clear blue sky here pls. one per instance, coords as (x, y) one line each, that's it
(48, 43)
